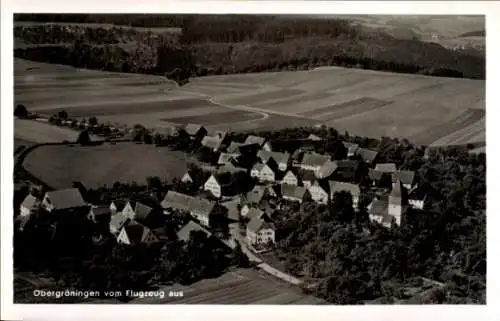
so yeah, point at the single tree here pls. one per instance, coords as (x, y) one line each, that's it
(62, 115)
(20, 111)
(93, 121)
(83, 138)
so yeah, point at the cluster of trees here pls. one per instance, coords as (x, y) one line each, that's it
(241, 44)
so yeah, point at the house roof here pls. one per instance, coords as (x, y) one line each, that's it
(277, 156)
(406, 177)
(347, 164)
(375, 175)
(30, 202)
(254, 212)
(234, 147)
(258, 166)
(100, 210)
(314, 159)
(119, 204)
(256, 194)
(293, 191)
(306, 175)
(336, 186)
(252, 139)
(290, 173)
(351, 147)
(385, 167)
(225, 158)
(136, 233)
(66, 198)
(257, 223)
(379, 207)
(193, 129)
(327, 169)
(367, 155)
(211, 142)
(232, 209)
(118, 221)
(185, 232)
(142, 211)
(187, 203)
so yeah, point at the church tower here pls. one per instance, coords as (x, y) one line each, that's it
(397, 202)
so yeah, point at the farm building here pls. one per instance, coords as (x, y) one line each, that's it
(313, 161)
(224, 183)
(201, 209)
(117, 222)
(29, 205)
(135, 233)
(327, 170)
(253, 212)
(137, 210)
(256, 195)
(99, 214)
(319, 192)
(282, 159)
(290, 178)
(260, 231)
(234, 148)
(294, 193)
(265, 173)
(347, 170)
(212, 143)
(63, 200)
(336, 187)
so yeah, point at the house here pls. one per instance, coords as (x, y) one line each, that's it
(294, 193)
(29, 205)
(201, 209)
(195, 131)
(354, 190)
(313, 161)
(290, 178)
(260, 231)
(117, 222)
(63, 200)
(352, 148)
(117, 206)
(307, 177)
(407, 178)
(417, 198)
(267, 147)
(367, 155)
(186, 178)
(318, 193)
(234, 148)
(388, 210)
(135, 233)
(184, 233)
(386, 168)
(378, 212)
(347, 170)
(252, 139)
(282, 159)
(213, 185)
(100, 213)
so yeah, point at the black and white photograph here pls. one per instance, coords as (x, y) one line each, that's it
(249, 159)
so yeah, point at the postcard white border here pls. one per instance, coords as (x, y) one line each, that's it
(132, 312)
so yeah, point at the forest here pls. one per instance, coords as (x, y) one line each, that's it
(235, 44)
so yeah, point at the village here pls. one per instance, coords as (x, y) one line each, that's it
(237, 196)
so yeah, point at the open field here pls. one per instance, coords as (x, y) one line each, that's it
(368, 103)
(59, 166)
(237, 287)
(39, 132)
